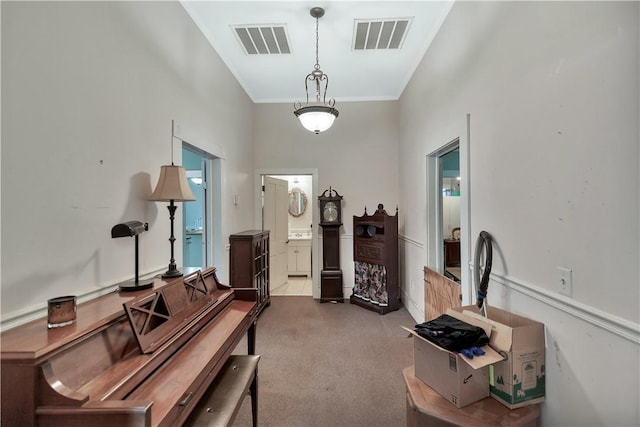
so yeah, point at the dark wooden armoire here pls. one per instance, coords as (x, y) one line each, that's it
(375, 255)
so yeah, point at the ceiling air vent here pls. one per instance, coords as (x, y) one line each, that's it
(263, 39)
(380, 33)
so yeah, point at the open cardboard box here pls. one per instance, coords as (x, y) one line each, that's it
(460, 380)
(519, 379)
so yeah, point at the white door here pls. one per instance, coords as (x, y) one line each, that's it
(275, 219)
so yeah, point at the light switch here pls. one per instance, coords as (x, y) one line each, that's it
(565, 282)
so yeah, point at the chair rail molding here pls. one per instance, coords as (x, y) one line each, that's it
(609, 322)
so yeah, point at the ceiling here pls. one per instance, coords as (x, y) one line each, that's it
(354, 74)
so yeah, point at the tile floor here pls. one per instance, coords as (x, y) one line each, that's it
(298, 286)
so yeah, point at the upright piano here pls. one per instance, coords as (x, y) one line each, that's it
(141, 358)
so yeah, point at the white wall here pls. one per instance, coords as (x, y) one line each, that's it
(357, 156)
(89, 92)
(553, 93)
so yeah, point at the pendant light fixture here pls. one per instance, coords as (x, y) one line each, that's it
(317, 116)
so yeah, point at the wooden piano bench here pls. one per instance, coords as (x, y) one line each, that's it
(221, 402)
(426, 408)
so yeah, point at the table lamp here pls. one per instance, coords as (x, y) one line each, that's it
(132, 229)
(172, 187)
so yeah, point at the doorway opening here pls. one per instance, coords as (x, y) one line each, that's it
(201, 243)
(450, 178)
(286, 203)
(449, 210)
(443, 201)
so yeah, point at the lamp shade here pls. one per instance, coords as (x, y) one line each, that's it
(316, 118)
(172, 185)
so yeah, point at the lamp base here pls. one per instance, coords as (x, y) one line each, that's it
(172, 273)
(132, 286)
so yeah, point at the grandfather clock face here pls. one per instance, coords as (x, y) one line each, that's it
(330, 210)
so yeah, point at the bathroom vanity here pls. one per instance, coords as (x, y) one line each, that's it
(299, 257)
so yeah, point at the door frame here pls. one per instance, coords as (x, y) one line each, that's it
(434, 247)
(259, 173)
(212, 223)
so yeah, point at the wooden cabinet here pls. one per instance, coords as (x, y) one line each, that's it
(451, 253)
(452, 260)
(249, 263)
(299, 258)
(375, 255)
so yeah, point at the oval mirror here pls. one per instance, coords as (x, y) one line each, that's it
(297, 202)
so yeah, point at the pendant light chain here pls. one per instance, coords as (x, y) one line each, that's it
(317, 66)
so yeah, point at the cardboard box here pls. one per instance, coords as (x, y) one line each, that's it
(460, 380)
(519, 380)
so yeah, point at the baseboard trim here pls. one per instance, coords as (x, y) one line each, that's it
(416, 313)
(609, 322)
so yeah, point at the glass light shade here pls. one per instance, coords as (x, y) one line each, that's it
(317, 118)
(172, 185)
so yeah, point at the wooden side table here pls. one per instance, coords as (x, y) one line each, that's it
(425, 407)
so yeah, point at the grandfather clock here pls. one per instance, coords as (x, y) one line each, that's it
(330, 221)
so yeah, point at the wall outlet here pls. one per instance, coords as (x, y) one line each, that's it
(565, 282)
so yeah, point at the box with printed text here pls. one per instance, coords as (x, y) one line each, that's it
(460, 380)
(519, 379)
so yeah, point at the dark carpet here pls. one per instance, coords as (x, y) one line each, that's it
(326, 364)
